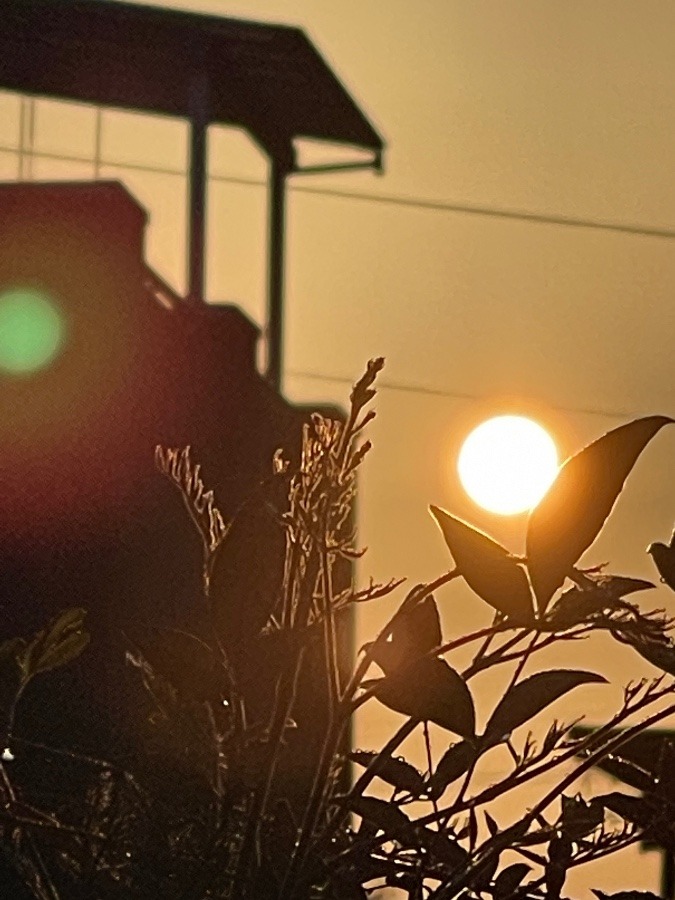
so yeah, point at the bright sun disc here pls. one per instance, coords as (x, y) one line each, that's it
(507, 464)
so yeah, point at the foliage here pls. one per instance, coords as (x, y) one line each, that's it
(232, 832)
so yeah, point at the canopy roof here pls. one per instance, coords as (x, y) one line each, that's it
(267, 79)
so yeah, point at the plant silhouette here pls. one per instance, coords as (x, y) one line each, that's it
(218, 819)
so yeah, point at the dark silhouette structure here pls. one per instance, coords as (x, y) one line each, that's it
(85, 519)
(267, 79)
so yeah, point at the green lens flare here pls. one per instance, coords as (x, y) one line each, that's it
(31, 331)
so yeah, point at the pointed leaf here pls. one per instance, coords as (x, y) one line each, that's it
(492, 825)
(455, 762)
(430, 690)
(487, 567)
(62, 653)
(442, 848)
(507, 881)
(10, 653)
(630, 773)
(569, 518)
(580, 818)
(577, 604)
(524, 700)
(655, 816)
(70, 620)
(418, 630)
(60, 643)
(386, 817)
(248, 568)
(659, 653)
(394, 770)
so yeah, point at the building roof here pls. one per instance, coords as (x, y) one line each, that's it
(268, 79)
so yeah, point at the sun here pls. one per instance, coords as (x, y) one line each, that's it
(507, 464)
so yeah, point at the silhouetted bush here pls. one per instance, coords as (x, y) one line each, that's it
(213, 810)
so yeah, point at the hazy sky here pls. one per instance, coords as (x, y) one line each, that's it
(557, 109)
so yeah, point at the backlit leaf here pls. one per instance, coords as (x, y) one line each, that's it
(455, 762)
(394, 770)
(443, 848)
(247, 572)
(579, 817)
(487, 567)
(387, 818)
(659, 653)
(61, 653)
(508, 880)
(569, 517)
(577, 604)
(60, 643)
(524, 700)
(430, 690)
(654, 816)
(418, 630)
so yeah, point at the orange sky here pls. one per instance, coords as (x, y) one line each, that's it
(554, 109)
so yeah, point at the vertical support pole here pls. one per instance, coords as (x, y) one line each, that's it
(275, 271)
(196, 236)
(667, 873)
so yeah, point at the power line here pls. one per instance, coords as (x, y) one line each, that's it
(384, 199)
(456, 395)
(97, 162)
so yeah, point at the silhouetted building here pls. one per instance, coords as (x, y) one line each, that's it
(85, 517)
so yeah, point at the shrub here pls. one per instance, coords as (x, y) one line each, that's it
(213, 813)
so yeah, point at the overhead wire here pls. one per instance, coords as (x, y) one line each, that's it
(383, 199)
(385, 385)
(405, 202)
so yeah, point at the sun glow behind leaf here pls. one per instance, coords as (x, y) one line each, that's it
(507, 464)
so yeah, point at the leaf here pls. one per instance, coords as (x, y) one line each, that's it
(445, 850)
(577, 604)
(524, 700)
(507, 881)
(387, 818)
(416, 632)
(394, 770)
(629, 772)
(247, 572)
(487, 567)
(60, 643)
(654, 816)
(455, 762)
(430, 690)
(580, 818)
(659, 654)
(569, 517)
(188, 664)
(493, 828)
(10, 653)
(61, 653)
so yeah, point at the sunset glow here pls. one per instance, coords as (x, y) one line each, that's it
(507, 464)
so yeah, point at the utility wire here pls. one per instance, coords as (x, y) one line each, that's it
(395, 201)
(383, 199)
(455, 395)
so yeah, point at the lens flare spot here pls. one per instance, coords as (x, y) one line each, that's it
(31, 331)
